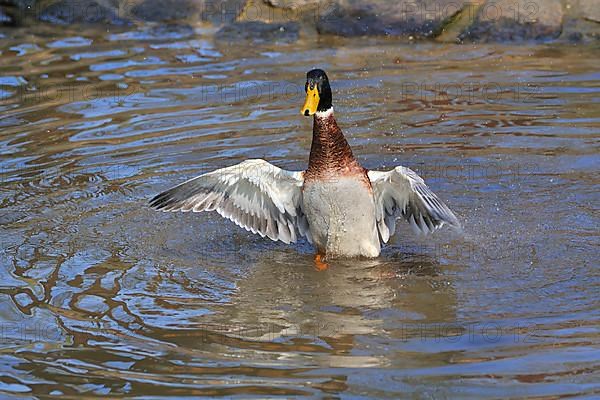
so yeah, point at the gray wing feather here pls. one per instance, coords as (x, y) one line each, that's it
(254, 194)
(402, 193)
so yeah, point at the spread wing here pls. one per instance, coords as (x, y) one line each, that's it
(401, 192)
(254, 194)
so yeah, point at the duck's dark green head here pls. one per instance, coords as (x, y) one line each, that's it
(318, 92)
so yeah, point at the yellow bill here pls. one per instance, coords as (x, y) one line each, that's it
(312, 101)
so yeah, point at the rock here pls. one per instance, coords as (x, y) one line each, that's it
(10, 12)
(419, 18)
(260, 32)
(293, 3)
(6, 18)
(165, 10)
(301, 14)
(221, 11)
(21, 3)
(123, 11)
(285, 20)
(216, 11)
(515, 20)
(13, 12)
(580, 23)
(590, 10)
(80, 11)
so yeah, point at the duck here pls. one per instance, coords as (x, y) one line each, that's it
(340, 207)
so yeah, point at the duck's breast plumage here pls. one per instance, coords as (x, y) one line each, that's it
(341, 216)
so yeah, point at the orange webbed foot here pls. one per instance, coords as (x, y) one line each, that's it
(320, 263)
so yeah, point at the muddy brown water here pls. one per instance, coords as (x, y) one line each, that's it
(101, 295)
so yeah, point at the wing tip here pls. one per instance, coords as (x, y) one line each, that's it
(452, 220)
(456, 226)
(161, 201)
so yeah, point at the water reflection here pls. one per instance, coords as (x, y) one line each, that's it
(347, 299)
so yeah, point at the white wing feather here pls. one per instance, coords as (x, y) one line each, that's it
(402, 193)
(254, 194)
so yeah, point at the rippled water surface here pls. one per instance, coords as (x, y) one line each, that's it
(101, 295)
